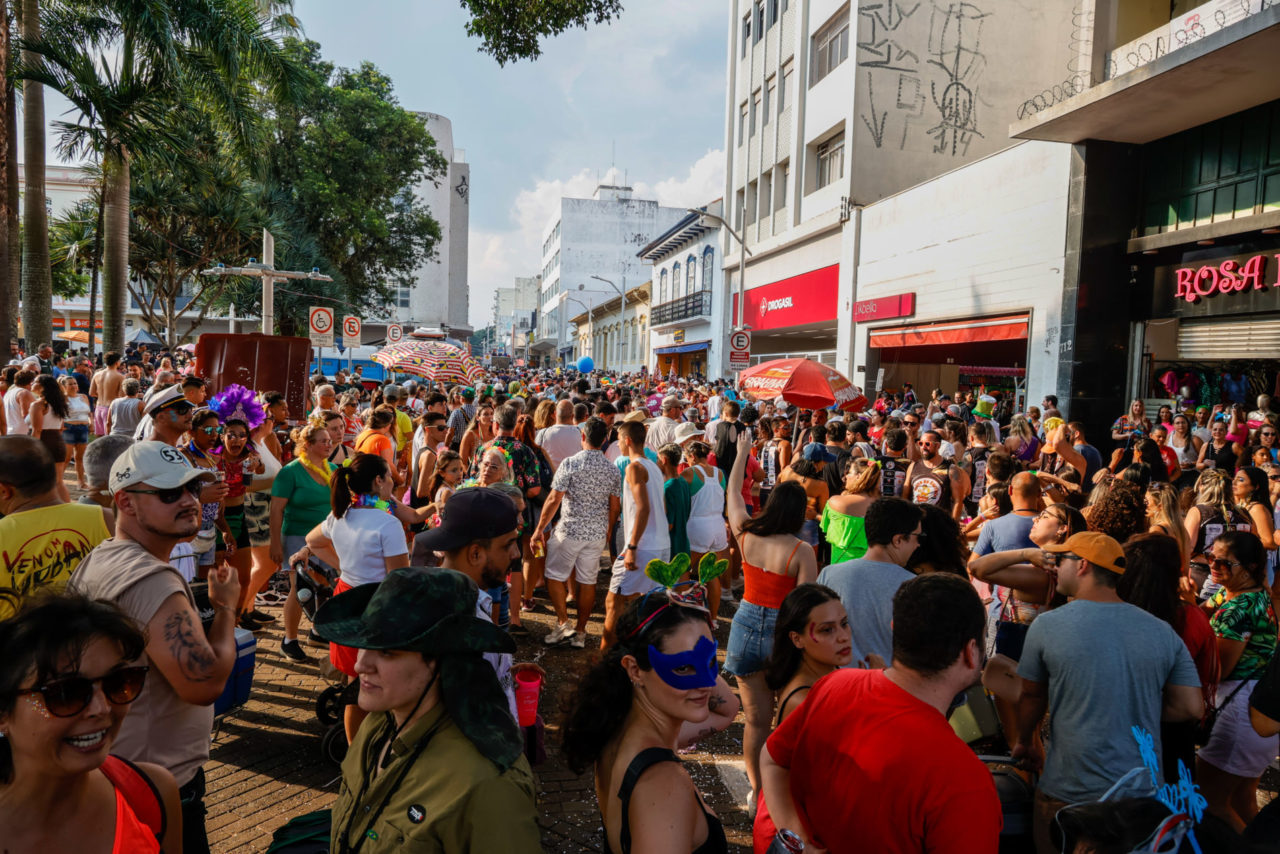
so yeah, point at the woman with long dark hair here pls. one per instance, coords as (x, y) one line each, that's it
(1250, 490)
(773, 563)
(625, 722)
(1214, 513)
(71, 670)
(362, 538)
(940, 547)
(45, 417)
(1243, 619)
(1152, 580)
(810, 639)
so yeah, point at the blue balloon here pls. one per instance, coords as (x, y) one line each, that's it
(586, 365)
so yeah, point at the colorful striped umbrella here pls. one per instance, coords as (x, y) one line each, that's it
(432, 360)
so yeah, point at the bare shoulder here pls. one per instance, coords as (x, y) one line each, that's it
(663, 784)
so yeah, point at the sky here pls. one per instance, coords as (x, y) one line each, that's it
(645, 94)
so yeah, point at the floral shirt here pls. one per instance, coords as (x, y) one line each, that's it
(588, 480)
(1248, 617)
(1127, 424)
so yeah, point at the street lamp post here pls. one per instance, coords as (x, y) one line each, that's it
(742, 261)
(622, 307)
(590, 324)
(269, 274)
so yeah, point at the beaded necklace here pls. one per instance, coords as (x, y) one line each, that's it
(322, 473)
(373, 502)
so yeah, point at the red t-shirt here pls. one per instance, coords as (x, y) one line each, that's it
(907, 783)
(1192, 625)
(1171, 464)
(748, 480)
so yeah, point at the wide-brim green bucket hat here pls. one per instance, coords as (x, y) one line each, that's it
(432, 611)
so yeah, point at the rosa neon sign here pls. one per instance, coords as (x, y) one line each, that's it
(1195, 283)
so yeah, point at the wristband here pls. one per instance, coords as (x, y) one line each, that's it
(630, 547)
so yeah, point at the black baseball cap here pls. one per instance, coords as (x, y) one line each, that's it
(472, 514)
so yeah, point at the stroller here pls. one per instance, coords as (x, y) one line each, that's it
(315, 584)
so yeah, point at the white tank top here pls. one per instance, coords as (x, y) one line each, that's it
(1186, 454)
(709, 499)
(78, 410)
(655, 536)
(51, 421)
(13, 416)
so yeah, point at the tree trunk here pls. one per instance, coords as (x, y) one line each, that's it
(14, 229)
(115, 256)
(37, 278)
(7, 153)
(96, 261)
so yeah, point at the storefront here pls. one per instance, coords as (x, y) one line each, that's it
(682, 359)
(958, 355)
(1209, 327)
(794, 317)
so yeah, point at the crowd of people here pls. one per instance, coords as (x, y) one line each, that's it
(870, 574)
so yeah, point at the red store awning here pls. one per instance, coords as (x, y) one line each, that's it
(1004, 328)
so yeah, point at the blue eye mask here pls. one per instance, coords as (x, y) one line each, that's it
(702, 658)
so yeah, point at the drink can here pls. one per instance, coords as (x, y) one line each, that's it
(786, 842)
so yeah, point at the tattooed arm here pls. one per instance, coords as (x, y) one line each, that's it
(723, 705)
(195, 665)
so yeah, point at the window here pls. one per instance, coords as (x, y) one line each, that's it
(690, 275)
(708, 264)
(785, 4)
(830, 46)
(742, 124)
(773, 12)
(402, 297)
(738, 209)
(766, 194)
(786, 84)
(755, 110)
(831, 160)
(746, 34)
(675, 281)
(759, 20)
(662, 287)
(769, 89)
(751, 202)
(783, 173)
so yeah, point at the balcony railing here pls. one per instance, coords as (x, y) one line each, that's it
(694, 305)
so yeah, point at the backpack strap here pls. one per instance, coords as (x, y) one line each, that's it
(139, 793)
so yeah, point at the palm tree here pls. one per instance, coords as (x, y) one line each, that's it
(37, 281)
(120, 62)
(7, 153)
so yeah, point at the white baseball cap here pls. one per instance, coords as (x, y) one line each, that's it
(155, 464)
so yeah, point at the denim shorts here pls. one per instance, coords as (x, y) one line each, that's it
(75, 434)
(811, 532)
(750, 639)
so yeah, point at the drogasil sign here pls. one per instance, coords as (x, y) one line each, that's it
(767, 306)
(1196, 283)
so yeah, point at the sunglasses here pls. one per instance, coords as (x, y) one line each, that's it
(215, 430)
(1223, 565)
(911, 423)
(1275, 477)
(70, 695)
(1057, 558)
(169, 496)
(183, 407)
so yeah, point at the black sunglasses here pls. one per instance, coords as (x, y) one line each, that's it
(1058, 557)
(181, 407)
(70, 695)
(169, 496)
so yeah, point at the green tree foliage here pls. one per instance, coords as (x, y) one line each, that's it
(511, 30)
(71, 237)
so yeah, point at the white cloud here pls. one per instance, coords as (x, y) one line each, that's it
(497, 257)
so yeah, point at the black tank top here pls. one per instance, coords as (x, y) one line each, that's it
(932, 485)
(716, 842)
(1214, 525)
(976, 461)
(1224, 459)
(893, 474)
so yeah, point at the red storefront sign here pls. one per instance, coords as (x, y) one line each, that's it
(806, 298)
(884, 308)
(77, 323)
(1193, 283)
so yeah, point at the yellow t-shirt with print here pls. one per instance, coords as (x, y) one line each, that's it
(404, 430)
(40, 548)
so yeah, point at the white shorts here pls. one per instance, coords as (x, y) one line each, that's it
(634, 583)
(1234, 747)
(567, 556)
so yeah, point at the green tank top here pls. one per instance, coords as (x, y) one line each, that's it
(846, 534)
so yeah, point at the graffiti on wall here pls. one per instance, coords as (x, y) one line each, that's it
(923, 66)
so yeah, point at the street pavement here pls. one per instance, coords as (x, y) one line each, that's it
(266, 764)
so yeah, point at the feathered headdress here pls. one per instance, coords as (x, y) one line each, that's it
(237, 403)
(694, 593)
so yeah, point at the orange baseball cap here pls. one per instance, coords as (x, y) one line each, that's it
(1097, 548)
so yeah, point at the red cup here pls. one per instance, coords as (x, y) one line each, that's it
(528, 687)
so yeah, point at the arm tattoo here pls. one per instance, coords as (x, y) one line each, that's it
(188, 647)
(714, 702)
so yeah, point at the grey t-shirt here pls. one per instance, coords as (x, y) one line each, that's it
(125, 415)
(866, 589)
(1106, 665)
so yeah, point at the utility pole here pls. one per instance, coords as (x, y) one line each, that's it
(268, 273)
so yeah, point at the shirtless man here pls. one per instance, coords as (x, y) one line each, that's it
(106, 386)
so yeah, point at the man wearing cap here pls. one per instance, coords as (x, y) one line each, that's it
(588, 496)
(166, 415)
(438, 764)
(1100, 667)
(42, 538)
(157, 500)
(663, 428)
(479, 536)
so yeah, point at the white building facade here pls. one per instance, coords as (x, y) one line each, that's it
(512, 309)
(589, 257)
(439, 296)
(687, 324)
(614, 334)
(832, 106)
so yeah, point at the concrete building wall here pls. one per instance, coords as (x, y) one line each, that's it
(439, 297)
(981, 240)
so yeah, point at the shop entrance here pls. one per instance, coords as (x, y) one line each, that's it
(957, 356)
(1194, 361)
(685, 360)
